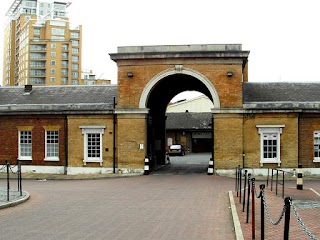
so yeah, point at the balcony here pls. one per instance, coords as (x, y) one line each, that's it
(37, 73)
(38, 64)
(38, 47)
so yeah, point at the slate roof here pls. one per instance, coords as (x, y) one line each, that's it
(189, 121)
(281, 92)
(58, 98)
(281, 95)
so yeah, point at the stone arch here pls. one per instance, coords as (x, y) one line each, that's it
(178, 70)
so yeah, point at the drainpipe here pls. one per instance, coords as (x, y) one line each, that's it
(212, 140)
(65, 145)
(114, 135)
(243, 154)
(299, 162)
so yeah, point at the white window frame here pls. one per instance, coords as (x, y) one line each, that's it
(92, 130)
(29, 157)
(316, 134)
(265, 130)
(51, 158)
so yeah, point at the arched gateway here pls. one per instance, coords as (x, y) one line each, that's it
(150, 76)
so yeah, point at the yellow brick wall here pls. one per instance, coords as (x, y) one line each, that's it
(76, 142)
(130, 89)
(288, 139)
(131, 132)
(227, 141)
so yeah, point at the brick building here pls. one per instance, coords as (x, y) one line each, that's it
(81, 129)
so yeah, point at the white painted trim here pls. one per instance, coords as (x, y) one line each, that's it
(24, 158)
(274, 129)
(55, 158)
(178, 70)
(85, 131)
(42, 169)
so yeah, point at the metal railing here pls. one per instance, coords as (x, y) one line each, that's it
(9, 170)
(249, 183)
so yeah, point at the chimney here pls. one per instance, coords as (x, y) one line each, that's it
(27, 89)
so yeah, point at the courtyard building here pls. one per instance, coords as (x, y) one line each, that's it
(113, 128)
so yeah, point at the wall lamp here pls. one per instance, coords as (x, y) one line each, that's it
(129, 74)
(229, 74)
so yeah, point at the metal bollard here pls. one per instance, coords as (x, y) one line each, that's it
(299, 178)
(244, 189)
(253, 213)
(287, 201)
(8, 180)
(146, 166)
(210, 168)
(262, 187)
(248, 201)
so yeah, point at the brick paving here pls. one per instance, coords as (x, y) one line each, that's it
(306, 202)
(190, 206)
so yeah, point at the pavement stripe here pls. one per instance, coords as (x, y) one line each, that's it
(236, 222)
(315, 191)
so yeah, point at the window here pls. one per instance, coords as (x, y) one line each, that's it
(92, 143)
(58, 31)
(316, 146)
(36, 31)
(65, 47)
(74, 82)
(270, 143)
(64, 72)
(52, 62)
(52, 70)
(64, 80)
(53, 54)
(75, 67)
(74, 34)
(25, 145)
(52, 145)
(75, 74)
(75, 43)
(75, 59)
(75, 50)
(64, 63)
(52, 79)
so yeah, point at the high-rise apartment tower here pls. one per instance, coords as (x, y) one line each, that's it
(40, 47)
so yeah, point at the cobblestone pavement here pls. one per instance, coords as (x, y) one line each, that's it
(306, 202)
(189, 206)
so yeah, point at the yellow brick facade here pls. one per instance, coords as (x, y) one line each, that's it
(131, 140)
(288, 139)
(76, 139)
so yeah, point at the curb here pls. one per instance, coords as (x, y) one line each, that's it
(236, 222)
(15, 202)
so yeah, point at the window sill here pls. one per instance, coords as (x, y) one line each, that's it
(51, 159)
(270, 162)
(92, 161)
(25, 159)
(316, 160)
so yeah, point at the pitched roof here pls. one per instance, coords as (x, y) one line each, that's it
(58, 98)
(281, 92)
(281, 95)
(189, 121)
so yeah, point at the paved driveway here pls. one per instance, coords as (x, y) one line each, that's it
(187, 206)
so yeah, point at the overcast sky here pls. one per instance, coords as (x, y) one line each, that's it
(282, 35)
